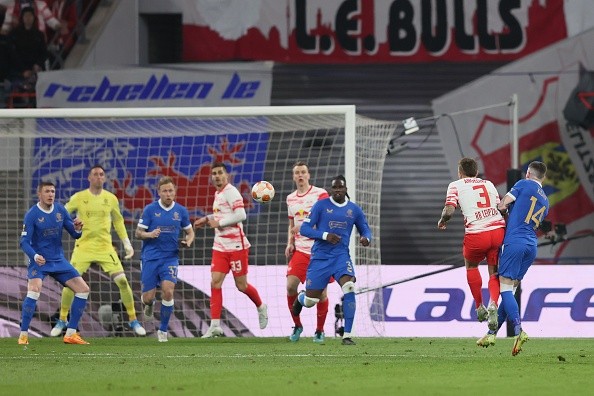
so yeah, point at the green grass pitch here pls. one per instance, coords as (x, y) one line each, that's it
(275, 366)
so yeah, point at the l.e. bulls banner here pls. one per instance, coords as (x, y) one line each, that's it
(555, 88)
(357, 31)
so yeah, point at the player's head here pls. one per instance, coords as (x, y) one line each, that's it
(301, 174)
(46, 192)
(467, 167)
(96, 177)
(536, 170)
(166, 190)
(219, 175)
(338, 189)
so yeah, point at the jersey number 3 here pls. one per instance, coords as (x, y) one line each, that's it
(486, 202)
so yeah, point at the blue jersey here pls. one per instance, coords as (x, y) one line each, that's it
(530, 207)
(328, 216)
(42, 232)
(171, 221)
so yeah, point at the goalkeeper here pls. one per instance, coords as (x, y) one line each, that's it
(98, 209)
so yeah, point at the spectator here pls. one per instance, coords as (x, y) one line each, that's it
(44, 15)
(3, 4)
(65, 12)
(30, 52)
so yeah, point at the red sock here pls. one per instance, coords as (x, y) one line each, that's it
(296, 319)
(322, 313)
(473, 276)
(494, 288)
(252, 293)
(216, 303)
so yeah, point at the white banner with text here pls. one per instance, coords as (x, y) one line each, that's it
(181, 85)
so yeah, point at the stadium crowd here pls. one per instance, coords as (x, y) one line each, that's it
(36, 35)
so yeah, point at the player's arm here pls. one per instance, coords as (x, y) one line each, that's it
(290, 238)
(451, 202)
(144, 223)
(189, 236)
(188, 229)
(118, 223)
(142, 233)
(72, 205)
(363, 228)
(201, 222)
(238, 215)
(309, 228)
(507, 200)
(73, 227)
(446, 215)
(26, 237)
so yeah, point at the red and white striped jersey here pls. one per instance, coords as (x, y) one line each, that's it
(230, 238)
(299, 207)
(478, 199)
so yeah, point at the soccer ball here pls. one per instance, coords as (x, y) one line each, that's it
(262, 192)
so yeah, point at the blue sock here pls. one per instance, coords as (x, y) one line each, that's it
(76, 311)
(349, 306)
(508, 300)
(27, 314)
(166, 311)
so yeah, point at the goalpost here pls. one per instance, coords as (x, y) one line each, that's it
(137, 146)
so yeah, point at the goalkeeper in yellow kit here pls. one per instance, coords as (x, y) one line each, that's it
(98, 209)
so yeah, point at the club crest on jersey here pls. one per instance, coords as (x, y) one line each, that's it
(349, 213)
(58, 216)
(176, 216)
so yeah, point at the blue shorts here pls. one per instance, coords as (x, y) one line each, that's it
(515, 259)
(320, 271)
(60, 270)
(153, 272)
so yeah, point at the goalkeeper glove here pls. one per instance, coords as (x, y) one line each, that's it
(128, 248)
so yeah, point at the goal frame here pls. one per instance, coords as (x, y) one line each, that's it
(362, 141)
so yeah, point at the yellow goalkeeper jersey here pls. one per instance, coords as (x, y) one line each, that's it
(97, 212)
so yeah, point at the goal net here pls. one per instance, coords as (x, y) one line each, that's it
(137, 147)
